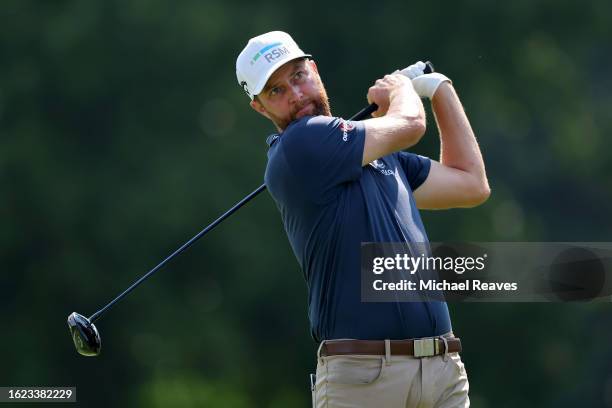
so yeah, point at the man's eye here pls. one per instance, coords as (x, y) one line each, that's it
(299, 74)
(274, 91)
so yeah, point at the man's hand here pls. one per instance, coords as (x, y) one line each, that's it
(389, 91)
(414, 70)
(399, 121)
(424, 84)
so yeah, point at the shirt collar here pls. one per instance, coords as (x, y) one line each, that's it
(270, 140)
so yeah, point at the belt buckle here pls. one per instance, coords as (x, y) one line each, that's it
(425, 347)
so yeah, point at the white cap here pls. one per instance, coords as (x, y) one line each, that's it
(262, 56)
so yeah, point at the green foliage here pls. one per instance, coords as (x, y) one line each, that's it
(123, 132)
(191, 391)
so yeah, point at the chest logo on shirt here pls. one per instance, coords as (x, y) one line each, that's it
(346, 127)
(380, 166)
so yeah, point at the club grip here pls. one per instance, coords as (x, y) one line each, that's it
(367, 111)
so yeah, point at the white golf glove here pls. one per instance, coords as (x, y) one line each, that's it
(426, 85)
(414, 70)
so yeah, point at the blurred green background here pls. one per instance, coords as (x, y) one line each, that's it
(123, 132)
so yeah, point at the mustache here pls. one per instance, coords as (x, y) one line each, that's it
(302, 106)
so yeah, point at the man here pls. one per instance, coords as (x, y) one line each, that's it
(325, 176)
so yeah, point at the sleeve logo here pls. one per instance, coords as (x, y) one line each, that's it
(345, 127)
(380, 166)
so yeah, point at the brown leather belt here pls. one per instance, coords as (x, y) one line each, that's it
(414, 347)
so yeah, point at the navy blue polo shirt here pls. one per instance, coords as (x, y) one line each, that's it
(330, 204)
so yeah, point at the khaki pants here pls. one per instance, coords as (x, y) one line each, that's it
(355, 381)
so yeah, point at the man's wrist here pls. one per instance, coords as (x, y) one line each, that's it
(427, 85)
(443, 91)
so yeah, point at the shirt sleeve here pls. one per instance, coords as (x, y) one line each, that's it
(416, 168)
(323, 153)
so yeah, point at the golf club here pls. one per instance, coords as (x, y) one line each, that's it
(84, 333)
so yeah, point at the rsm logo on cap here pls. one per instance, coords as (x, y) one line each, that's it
(272, 55)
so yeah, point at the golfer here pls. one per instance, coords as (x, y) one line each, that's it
(339, 183)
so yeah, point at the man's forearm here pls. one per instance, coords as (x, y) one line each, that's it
(458, 145)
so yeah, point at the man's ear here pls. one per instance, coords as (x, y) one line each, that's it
(259, 108)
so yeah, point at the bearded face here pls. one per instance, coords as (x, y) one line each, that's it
(295, 90)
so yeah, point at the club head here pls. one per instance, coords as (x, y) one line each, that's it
(84, 334)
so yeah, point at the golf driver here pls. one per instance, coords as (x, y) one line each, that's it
(84, 333)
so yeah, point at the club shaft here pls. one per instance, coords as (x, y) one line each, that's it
(362, 114)
(186, 245)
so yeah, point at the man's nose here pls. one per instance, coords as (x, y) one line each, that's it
(296, 93)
